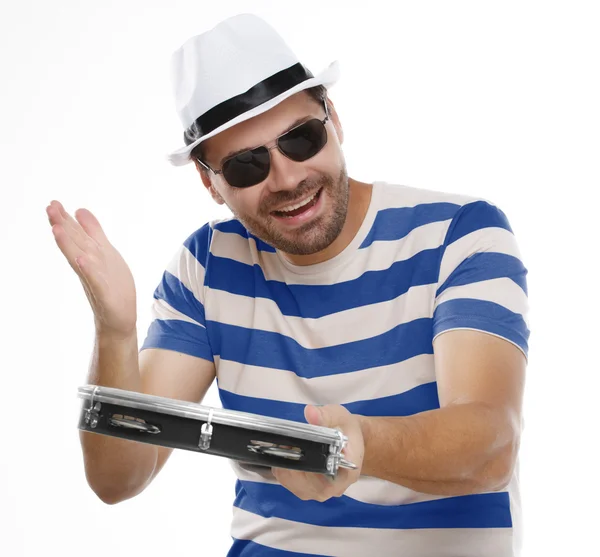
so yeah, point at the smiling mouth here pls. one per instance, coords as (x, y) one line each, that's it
(306, 205)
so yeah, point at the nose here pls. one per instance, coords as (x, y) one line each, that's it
(285, 173)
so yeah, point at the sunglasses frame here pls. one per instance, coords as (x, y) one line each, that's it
(269, 146)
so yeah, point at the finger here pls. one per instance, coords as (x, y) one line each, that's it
(84, 265)
(325, 486)
(91, 226)
(58, 215)
(305, 485)
(330, 415)
(66, 245)
(313, 415)
(54, 214)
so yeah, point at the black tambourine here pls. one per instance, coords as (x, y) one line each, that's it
(242, 436)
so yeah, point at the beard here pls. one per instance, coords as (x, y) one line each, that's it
(313, 236)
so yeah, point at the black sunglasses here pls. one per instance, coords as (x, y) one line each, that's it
(253, 166)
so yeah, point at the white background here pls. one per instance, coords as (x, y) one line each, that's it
(495, 99)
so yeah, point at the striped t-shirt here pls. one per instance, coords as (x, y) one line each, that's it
(356, 330)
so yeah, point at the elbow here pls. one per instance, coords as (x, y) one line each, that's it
(114, 484)
(108, 499)
(107, 494)
(495, 477)
(112, 493)
(500, 481)
(497, 474)
(112, 497)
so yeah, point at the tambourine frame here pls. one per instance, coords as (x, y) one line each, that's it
(227, 420)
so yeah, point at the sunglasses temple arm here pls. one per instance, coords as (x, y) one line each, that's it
(208, 167)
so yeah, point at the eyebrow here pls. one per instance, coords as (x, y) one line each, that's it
(297, 122)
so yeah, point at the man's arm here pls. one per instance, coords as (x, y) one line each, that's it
(480, 331)
(118, 469)
(470, 443)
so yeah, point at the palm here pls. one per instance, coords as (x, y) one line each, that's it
(106, 278)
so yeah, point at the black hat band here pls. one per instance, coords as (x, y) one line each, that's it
(262, 92)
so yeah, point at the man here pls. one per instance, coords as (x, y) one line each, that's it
(393, 313)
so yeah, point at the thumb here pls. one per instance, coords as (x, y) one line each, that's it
(313, 415)
(90, 224)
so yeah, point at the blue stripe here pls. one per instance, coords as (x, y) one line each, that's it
(273, 350)
(180, 336)
(234, 226)
(314, 301)
(178, 296)
(247, 548)
(199, 242)
(419, 399)
(475, 216)
(484, 510)
(482, 315)
(486, 266)
(395, 223)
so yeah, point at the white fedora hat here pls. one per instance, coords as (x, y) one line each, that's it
(236, 70)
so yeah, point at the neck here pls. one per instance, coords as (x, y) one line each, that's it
(358, 205)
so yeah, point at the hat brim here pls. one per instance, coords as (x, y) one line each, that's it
(327, 78)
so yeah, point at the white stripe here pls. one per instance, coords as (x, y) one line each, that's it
(516, 511)
(330, 330)
(399, 196)
(492, 239)
(368, 384)
(358, 542)
(162, 310)
(189, 271)
(379, 256)
(502, 291)
(381, 492)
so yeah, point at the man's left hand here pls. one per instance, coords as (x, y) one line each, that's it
(319, 487)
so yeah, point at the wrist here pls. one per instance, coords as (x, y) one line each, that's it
(365, 423)
(105, 334)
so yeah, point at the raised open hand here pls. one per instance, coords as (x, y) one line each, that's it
(106, 278)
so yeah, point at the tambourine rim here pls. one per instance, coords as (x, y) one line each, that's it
(182, 408)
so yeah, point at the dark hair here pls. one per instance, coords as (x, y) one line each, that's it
(318, 94)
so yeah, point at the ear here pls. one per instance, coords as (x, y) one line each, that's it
(335, 120)
(208, 183)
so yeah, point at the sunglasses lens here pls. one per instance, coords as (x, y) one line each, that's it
(252, 167)
(247, 169)
(305, 141)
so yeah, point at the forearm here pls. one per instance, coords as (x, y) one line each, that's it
(116, 468)
(462, 448)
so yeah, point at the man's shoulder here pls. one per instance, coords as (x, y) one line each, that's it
(396, 195)
(404, 205)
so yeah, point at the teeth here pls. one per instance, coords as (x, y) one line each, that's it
(301, 204)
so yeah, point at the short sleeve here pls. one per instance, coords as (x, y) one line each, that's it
(178, 318)
(482, 280)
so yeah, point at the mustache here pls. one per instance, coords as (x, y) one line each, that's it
(289, 198)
